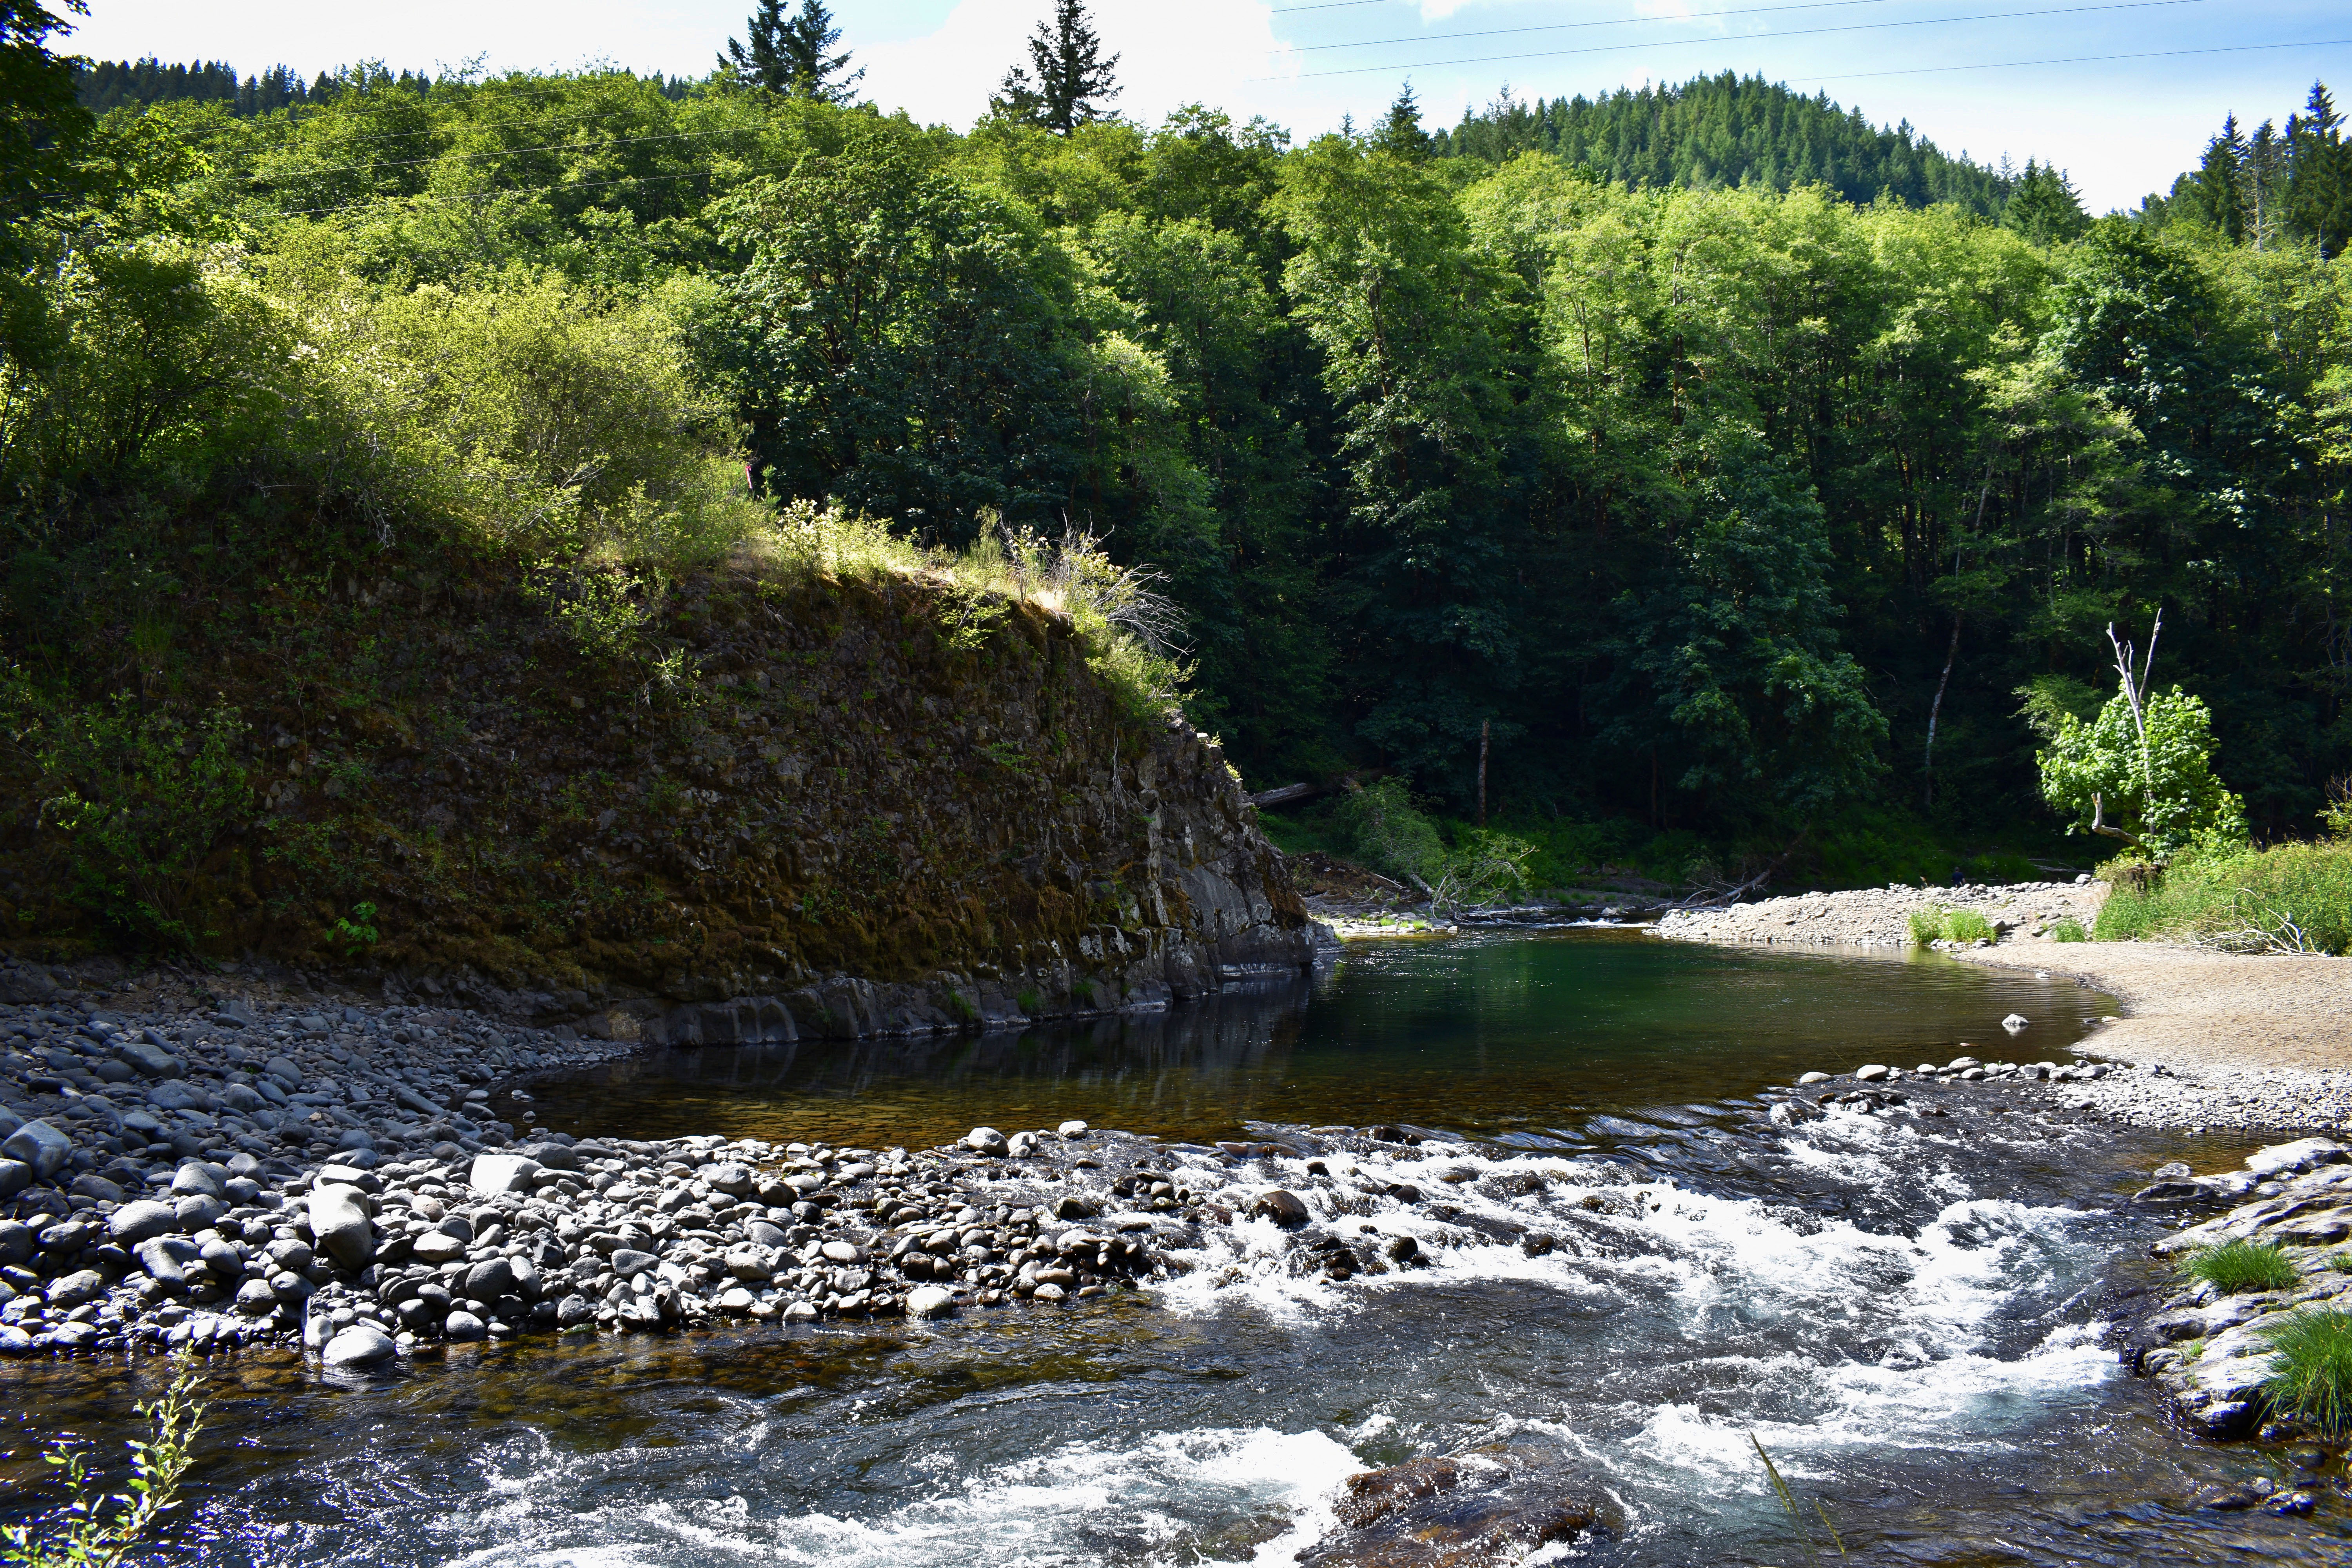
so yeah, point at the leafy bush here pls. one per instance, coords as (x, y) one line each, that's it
(1391, 835)
(1967, 925)
(142, 799)
(2293, 898)
(2234, 1268)
(1485, 867)
(2310, 1368)
(2069, 929)
(1951, 925)
(2146, 777)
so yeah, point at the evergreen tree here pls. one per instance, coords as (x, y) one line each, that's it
(1070, 76)
(2044, 207)
(2221, 184)
(1400, 131)
(805, 42)
(2319, 185)
(765, 64)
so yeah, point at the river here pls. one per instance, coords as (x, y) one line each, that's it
(1908, 1313)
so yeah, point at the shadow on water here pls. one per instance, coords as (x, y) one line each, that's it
(1910, 1311)
(1485, 1035)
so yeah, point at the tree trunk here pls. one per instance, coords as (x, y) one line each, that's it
(1486, 736)
(1927, 768)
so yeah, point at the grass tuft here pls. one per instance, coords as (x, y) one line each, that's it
(2069, 929)
(2293, 897)
(1967, 925)
(1926, 928)
(2236, 1267)
(2311, 1375)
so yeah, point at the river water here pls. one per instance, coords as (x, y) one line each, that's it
(1907, 1313)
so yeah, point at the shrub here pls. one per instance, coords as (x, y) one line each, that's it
(1389, 834)
(1926, 928)
(95, 1530)
(1967, 925)
(2310, 1368)
(2236, 1267)
(142, 799)
(2293, 898)
(2069, 929)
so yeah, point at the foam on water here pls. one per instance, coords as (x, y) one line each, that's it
(1081, 1503)
(1832, 1339)
(1685, 1319)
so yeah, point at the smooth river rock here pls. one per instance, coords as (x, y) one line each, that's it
(360, 1345)
(339, 1218)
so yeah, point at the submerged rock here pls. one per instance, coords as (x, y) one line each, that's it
(1492, 1505)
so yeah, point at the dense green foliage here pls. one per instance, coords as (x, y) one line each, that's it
(2291, 898)
(1730, 130)
(1739, 513)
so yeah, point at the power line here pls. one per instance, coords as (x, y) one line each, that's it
(502, 153)
(526, 190)
(1690, 43)
(1609, 22)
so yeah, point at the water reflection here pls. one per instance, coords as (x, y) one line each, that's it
(1486, 1034)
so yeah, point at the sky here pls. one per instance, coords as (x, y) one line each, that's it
(2120, 127)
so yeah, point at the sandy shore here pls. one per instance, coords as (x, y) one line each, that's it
(2187, 1008)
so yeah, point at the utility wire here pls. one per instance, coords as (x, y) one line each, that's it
(1690, 43)
(501, 153)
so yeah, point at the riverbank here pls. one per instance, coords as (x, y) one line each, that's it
(2217, 1039)
(2213, 1039)
(1881, 917)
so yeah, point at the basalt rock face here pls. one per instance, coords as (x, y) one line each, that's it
(807, 808)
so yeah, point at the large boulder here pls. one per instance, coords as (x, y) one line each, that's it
(339, 1219)
(493, 1174)
(360, 1345)
(143, 1220)
(41, 1146)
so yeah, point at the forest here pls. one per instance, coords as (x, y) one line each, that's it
(1705, 466)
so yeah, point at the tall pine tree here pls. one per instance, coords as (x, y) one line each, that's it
(809, 64)
(764, 63)
(1070, 77)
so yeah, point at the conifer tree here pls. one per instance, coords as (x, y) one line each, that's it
(764, 63)
(806, 40)
(2221, 182)
(2319, 185)
(1400, 132)
(1070, 78)
(2043, 206)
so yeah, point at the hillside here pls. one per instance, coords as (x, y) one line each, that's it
(868, 774)
(1729, 131)
(1639, 484)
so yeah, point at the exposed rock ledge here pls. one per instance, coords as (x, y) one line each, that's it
(2211, 1351)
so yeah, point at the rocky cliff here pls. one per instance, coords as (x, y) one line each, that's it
(802, 805)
